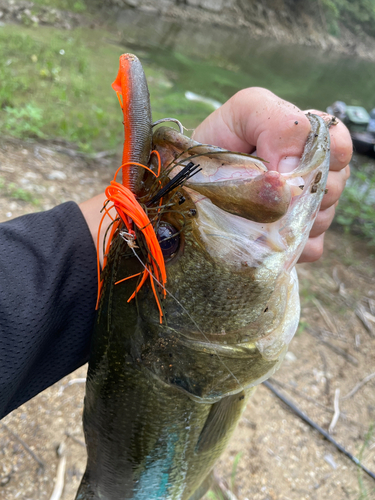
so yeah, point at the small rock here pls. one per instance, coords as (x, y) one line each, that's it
(330, 461)
(57, 175)
(32, 176)
(289, 356)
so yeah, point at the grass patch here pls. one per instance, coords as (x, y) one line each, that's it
(49, 88)
(57, 84)
(11, 190)
(356, 210)
(77, 6)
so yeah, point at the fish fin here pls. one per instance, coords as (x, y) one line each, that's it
(203, 488)
(221, 420)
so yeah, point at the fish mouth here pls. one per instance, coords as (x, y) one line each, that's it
(263, 198)
(241, 202)
(238, 183)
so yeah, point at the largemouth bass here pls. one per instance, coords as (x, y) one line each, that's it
(169, 377)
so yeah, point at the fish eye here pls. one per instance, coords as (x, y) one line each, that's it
(168, 238)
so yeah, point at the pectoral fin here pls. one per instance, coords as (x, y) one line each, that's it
(221, 421)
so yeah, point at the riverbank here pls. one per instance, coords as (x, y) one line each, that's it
(256, 20)
(278, 21)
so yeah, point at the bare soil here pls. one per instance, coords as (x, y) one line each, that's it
(282, 457)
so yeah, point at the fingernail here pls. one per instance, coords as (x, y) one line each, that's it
(288, 164)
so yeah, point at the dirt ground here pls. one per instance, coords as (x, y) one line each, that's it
(281, 457)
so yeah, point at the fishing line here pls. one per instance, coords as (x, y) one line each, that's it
(122, 234)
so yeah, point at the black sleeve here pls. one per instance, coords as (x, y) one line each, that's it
(47, 301)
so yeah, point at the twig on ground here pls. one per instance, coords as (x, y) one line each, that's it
(327, 384)
(340, 285)
(358, 386)
(369, 316)
(301, 394)
(334, 336)
(331, 325)
(362, 316)
(25, 446)
(75, 439)
(315, 426)
(357, 340)
(371, 305)
(60, 474)
(71, 382)
(336, 415)
(351, 359)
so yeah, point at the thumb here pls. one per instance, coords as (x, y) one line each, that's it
(256, 119)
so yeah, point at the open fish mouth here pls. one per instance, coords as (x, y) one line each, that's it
(232, 289)
(240, 184)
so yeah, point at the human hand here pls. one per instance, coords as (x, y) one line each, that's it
(256, 119)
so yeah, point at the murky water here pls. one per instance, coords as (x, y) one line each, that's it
(216, 62)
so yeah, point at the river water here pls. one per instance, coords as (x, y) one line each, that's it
(217, 61)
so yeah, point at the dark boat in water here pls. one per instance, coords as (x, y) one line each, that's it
(360, 123)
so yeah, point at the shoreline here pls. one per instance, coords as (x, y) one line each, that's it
(262, 23)
(285, 27)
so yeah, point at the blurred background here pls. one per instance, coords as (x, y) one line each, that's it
(61, 137)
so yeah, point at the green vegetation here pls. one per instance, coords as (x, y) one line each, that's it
(356, 210)
(77, 6)
(49, 88)
(363, 493)
(357, 15)
(11, 190)
(57, 84)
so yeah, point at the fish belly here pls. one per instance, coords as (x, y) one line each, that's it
(146, 439)
(150, 441)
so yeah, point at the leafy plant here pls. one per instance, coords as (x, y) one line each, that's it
(358, 15)
(24, 122)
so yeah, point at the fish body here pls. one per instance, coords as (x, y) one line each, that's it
(162, 398)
